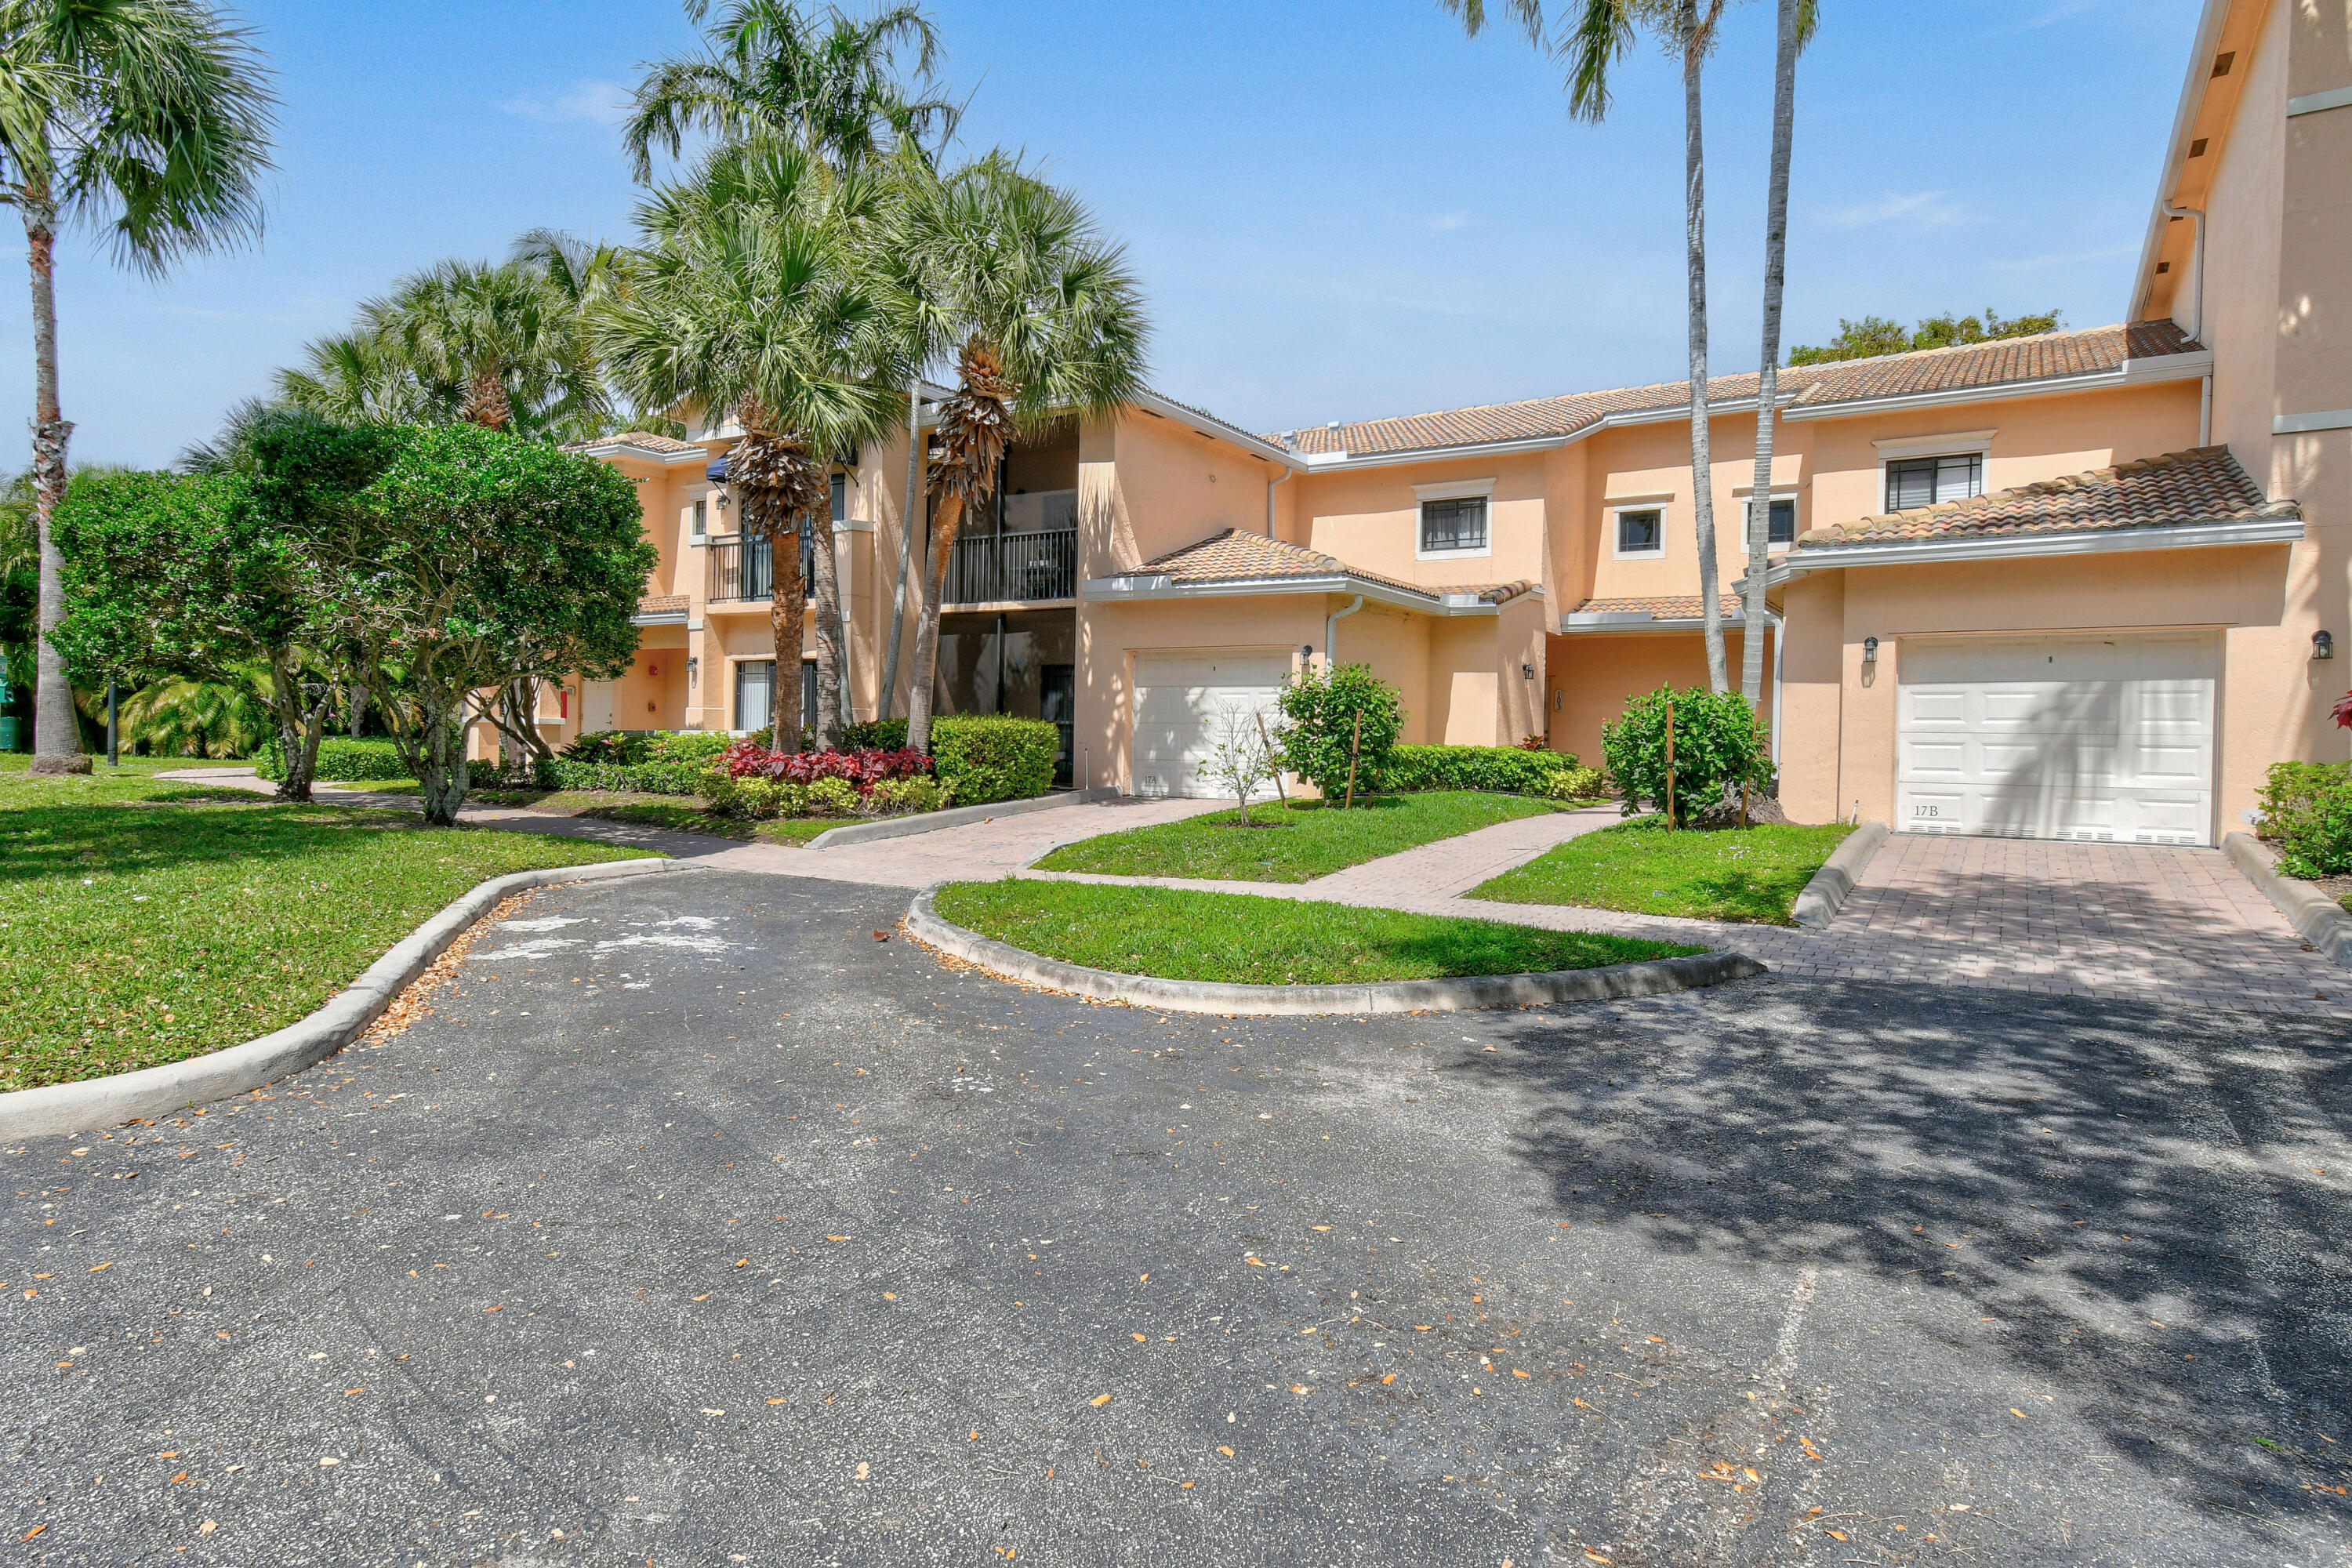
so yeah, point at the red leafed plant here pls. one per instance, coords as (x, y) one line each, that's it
(2343, 712)
(746, 759)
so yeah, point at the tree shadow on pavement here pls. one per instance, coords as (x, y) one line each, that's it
(2078, 1173)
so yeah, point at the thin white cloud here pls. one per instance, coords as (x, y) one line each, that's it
(1928, 209)
(1444, 222)
(2065, 258)
(587, 103)
(2064, 11)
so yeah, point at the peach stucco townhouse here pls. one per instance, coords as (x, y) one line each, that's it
(2082, 585)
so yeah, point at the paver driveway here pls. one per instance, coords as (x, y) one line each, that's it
(700, 1227)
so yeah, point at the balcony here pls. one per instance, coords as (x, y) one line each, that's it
(1041, 565)
(744, 571)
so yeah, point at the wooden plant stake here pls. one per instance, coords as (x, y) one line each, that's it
(1670, 762)
(1354, 746)
(1267, 742)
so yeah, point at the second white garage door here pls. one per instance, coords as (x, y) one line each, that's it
(2102, 738)
(1180, 701)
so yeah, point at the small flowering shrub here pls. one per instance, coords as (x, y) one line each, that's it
(861, 770)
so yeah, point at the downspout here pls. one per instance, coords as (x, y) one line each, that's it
(1286, 473)
(2197, 316)
(1331, 632)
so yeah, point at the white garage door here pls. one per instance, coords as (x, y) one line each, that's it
(2108, 739)
(1180, 703)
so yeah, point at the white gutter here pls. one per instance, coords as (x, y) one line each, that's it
(1153, 585)
(1331, 632)
(2176, 149)
(2186, 536)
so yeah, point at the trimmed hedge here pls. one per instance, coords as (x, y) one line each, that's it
(632, 748)
(876, 735)
(1498, 770)
(2306, 811)
(646, 778)
(990, 757)
(341, 760)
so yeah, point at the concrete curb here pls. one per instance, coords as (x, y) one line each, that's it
(239, 1070)
(2323, 921)
(953, 816)
(1820, 900)
(1617, 980)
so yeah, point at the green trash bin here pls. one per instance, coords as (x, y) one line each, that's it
(8, 723)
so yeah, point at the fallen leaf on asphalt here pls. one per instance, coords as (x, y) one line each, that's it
(704, 1296)
(881, 936)
(1517, 1373)
(32, 1533)
(741, 1261)
(1579, 1405)
(1100, 1399)
(836, 1239)
(707, 1411)
(96, 1267)
(1228, 1453)
(1141, 1278)
(1838, 1534)
(889, 1295)
(1139, 1339)
(1388, 1379)
(775, 1402)
(1421, 1328)
(349, 1391)
(329, 1460)
(2013, 1410)
(1318, 1227)
(175, 1479)
(207, 1527)
(1301, 1388)
(501, 1308)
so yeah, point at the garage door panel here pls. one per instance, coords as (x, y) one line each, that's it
(2082, 737)
(1181, 702)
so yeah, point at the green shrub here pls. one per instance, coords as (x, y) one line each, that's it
(1498, 770)
(1322, 710)
(646, 778)
(340, 760)
(874, 735)
(990, 757)
(632, 748)
(685, 745)
(1718, 745)
(898, 798)
(1576, 784)
(2306, 811)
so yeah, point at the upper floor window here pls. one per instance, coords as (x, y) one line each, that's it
(1641, 530)
(1459, 524)
(841, 498)
(1783, 527)
(701, 517)
(1926, 481)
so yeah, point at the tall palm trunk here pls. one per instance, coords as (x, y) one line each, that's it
(927, 628)
(57, 736)
(786, 602)
(1694, 53)
(832, 643)
(907, 521)
(1776, 260)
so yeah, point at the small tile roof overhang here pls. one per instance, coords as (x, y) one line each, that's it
(1668, 612)
(643, 445)
(2051, 362)
(1231, 564)
(660, 610)
(2177, 500)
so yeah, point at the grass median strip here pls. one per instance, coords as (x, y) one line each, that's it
(673, 813)
(144, 922)
(1234, 937)
(1750, 875)
(1291, 844)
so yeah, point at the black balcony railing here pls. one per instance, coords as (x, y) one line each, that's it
(1007, 568)
(744, 569)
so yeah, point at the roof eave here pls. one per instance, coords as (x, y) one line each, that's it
(2014, 546)
(2131, 372)
(1151, 585)
(2176, 149)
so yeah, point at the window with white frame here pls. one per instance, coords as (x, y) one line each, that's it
(1929, 480)
(1458, 523)
(1641, 530)
(701, 516)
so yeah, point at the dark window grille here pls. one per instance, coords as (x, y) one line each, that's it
(1454, 524)
(1783, 527)
(1928, 481)
(1640, 531)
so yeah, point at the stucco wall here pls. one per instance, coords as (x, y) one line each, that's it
(1371, 519)
(1110, 633)
(1594, 674)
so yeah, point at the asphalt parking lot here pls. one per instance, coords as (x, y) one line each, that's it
(695, 1224)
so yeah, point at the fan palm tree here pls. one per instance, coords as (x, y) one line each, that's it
(755, 294)
(505, 336)
(1599, 34)
(829, 87)
(360, 378)
(149, 121)
(1045, 322)
(1797, 21)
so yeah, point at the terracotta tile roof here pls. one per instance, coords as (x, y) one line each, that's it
(1664, 607)
(2093, 350)
(662, 604)
(1234, 556)
(2202, 484)
(644, 439)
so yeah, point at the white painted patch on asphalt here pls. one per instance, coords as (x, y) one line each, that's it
(1784, 1348)
(538, 947)
(549, 922)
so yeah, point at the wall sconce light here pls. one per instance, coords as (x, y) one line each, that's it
(1307, 651)
(693, 670)
(2322, 646)
(1870, 650)
(1526, 672)
(721, 499)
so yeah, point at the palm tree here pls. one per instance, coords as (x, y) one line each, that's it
(1797, 21)
(768, 71)
(1601, 35)
(1044, 321)
(504, 336)
(360, 378)
(755, 294)
(149, 121)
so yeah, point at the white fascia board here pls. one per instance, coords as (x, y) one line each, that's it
(2134, 372)
(2188, 536)
(1151, 402)
(643, 454)
(2176, 149)
(1601, 623)
(1327, 462)
(666, 618)
(1158, 585)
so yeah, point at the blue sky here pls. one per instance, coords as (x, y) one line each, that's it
(1340, 209)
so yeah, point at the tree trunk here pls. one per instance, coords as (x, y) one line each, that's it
(1775, 267)
(908, 520)
(355, 704)
(785, 602)
(57, 736)
(444, 776)
(294, 743)
(832, 645)
(927, 630)
(1695, 230)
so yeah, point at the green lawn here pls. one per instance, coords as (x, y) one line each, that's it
(143, 923)
(1180, 934)
(1296, 844)
(1748, 874)
(676, 813)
